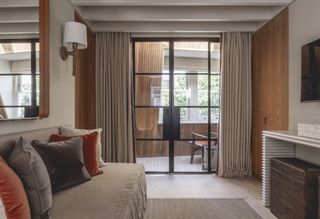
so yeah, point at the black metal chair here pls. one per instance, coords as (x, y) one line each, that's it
(198, 144)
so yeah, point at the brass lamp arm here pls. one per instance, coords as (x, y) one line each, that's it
(65, 53)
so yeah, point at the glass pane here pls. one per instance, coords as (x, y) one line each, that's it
(15, 58)
(148, 122)
(15, 90)
(154, 155)
(11, 113)
(215, 90)
(37, 58)
(214, 138)
(38, 89)
(152, 90)
(193, 123)
(214, 156)
(190, 57)
(189, 156)
(203, 87)
(152, 57)
(215, 113)
(191, 90)
(215, 58)
(18, 112)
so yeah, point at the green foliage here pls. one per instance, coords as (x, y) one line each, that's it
(164, 97)
(181, 89)
(180, 98)
(203, 82)
(180, 82)
(25, 99)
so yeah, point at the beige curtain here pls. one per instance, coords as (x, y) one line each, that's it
(114, 95)
(3, 112)
(149, 57)
(235, 131)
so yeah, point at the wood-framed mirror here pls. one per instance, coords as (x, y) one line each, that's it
(24, 60)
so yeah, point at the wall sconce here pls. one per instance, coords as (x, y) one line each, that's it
(75, 37)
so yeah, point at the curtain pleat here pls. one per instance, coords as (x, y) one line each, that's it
(114, 95)
(235, 112)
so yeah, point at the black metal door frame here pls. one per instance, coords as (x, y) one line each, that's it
(169, 132)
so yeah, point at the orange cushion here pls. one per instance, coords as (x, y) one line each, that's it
(12, 194)
(89, 151)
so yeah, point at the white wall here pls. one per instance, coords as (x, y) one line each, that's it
(304, 27)
(62, 87)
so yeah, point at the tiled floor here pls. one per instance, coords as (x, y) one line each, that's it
(208, 186)
(181, 164)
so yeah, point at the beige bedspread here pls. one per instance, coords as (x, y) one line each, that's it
(119, 193)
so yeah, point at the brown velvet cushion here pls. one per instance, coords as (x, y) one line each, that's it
(12, 194)
(64, 162)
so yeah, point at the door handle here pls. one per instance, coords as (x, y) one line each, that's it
(176, 123)
(166, 123)
(171, 124)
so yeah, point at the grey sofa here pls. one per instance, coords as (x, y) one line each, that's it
(119, 193)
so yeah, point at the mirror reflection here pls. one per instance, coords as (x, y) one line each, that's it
(19, 67)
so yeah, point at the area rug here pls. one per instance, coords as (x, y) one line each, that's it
(199, 209)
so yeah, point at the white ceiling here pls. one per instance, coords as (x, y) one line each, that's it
(19, 19)
(178, 16)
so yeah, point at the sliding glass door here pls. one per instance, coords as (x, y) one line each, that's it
(176, 104)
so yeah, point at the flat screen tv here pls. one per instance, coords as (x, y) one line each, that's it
(310, 77)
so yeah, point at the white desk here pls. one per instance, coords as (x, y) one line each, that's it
(279, 144)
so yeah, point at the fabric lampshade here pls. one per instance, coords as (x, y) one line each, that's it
(75, 32)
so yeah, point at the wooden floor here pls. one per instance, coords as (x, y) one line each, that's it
(181, 164)
(207, 186)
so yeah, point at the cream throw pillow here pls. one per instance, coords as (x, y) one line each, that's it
(67, 131)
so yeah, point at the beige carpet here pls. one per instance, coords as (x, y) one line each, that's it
(199, 209)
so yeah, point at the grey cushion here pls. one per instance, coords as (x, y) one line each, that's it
(29, 166)
(7, 141)
(64, 162)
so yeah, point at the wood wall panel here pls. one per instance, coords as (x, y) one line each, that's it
(270, 94)
(85, 106)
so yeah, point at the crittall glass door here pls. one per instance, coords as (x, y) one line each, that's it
(176, 104)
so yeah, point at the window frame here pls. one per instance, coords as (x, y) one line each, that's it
(172, 139)
(33, 72)
(211, 72)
